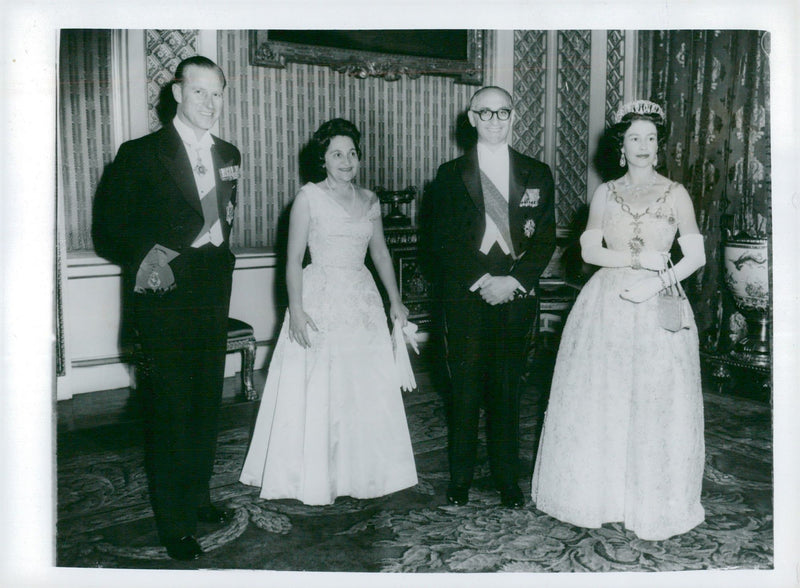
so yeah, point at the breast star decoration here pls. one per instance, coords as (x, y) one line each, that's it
(529, 228)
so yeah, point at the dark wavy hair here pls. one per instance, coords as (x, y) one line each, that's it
(610, 145)
(337, 127)
(617, 131)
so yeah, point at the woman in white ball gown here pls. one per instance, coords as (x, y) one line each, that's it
(331, 421)
(623, 432)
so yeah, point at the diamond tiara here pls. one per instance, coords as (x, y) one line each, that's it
(638, 107)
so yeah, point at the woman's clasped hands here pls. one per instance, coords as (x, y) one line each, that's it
(643, 290)
(653, 260)
(648, 287)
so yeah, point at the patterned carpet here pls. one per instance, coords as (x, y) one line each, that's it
(104, 518)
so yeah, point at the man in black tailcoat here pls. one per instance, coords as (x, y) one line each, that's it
(163, 212)
(493, 234)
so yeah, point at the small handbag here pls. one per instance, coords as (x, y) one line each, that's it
(674, 311)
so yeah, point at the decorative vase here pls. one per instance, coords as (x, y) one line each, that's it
(746, 271)
(394, 198)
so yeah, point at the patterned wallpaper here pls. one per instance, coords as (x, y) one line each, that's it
(530, 77)
(615, 72)
(407, 126)
(572, 122)
(714, 84)
(571, 96)
(164, 50)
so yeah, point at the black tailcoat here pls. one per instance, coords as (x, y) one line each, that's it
(486, 344)
(148, 196)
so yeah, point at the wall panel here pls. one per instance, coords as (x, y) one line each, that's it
(407, 126)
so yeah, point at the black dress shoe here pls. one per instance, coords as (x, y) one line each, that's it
(511, 497)
(184, 549)
(214, 514)
(458, 495)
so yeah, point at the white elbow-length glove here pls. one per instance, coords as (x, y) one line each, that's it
(593, 252)
(694, 255)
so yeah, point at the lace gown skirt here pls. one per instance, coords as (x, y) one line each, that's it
(623, 432)
(332, 421)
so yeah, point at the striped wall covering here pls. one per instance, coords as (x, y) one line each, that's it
(86, 144)
(407, 127)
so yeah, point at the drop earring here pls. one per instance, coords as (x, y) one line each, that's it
(655, 160)
(622, 161)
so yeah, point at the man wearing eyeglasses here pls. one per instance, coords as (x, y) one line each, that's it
(493, 234)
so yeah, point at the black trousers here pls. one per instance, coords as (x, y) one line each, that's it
(486, 351)
(183, 338)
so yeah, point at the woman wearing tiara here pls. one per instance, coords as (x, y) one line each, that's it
(623, 432)
(331, 421)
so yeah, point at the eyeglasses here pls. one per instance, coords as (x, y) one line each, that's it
(486, 114)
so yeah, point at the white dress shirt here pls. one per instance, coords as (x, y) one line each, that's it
(495, 163)
(199, 152)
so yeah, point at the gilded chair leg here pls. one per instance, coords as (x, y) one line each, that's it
(248, 361)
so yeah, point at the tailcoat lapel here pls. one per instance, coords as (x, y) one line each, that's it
(173, 155)
(471, 176)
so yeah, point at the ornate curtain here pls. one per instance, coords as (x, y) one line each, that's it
(714, 86)
(84, 126)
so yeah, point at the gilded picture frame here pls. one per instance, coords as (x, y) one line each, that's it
(389, 54)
